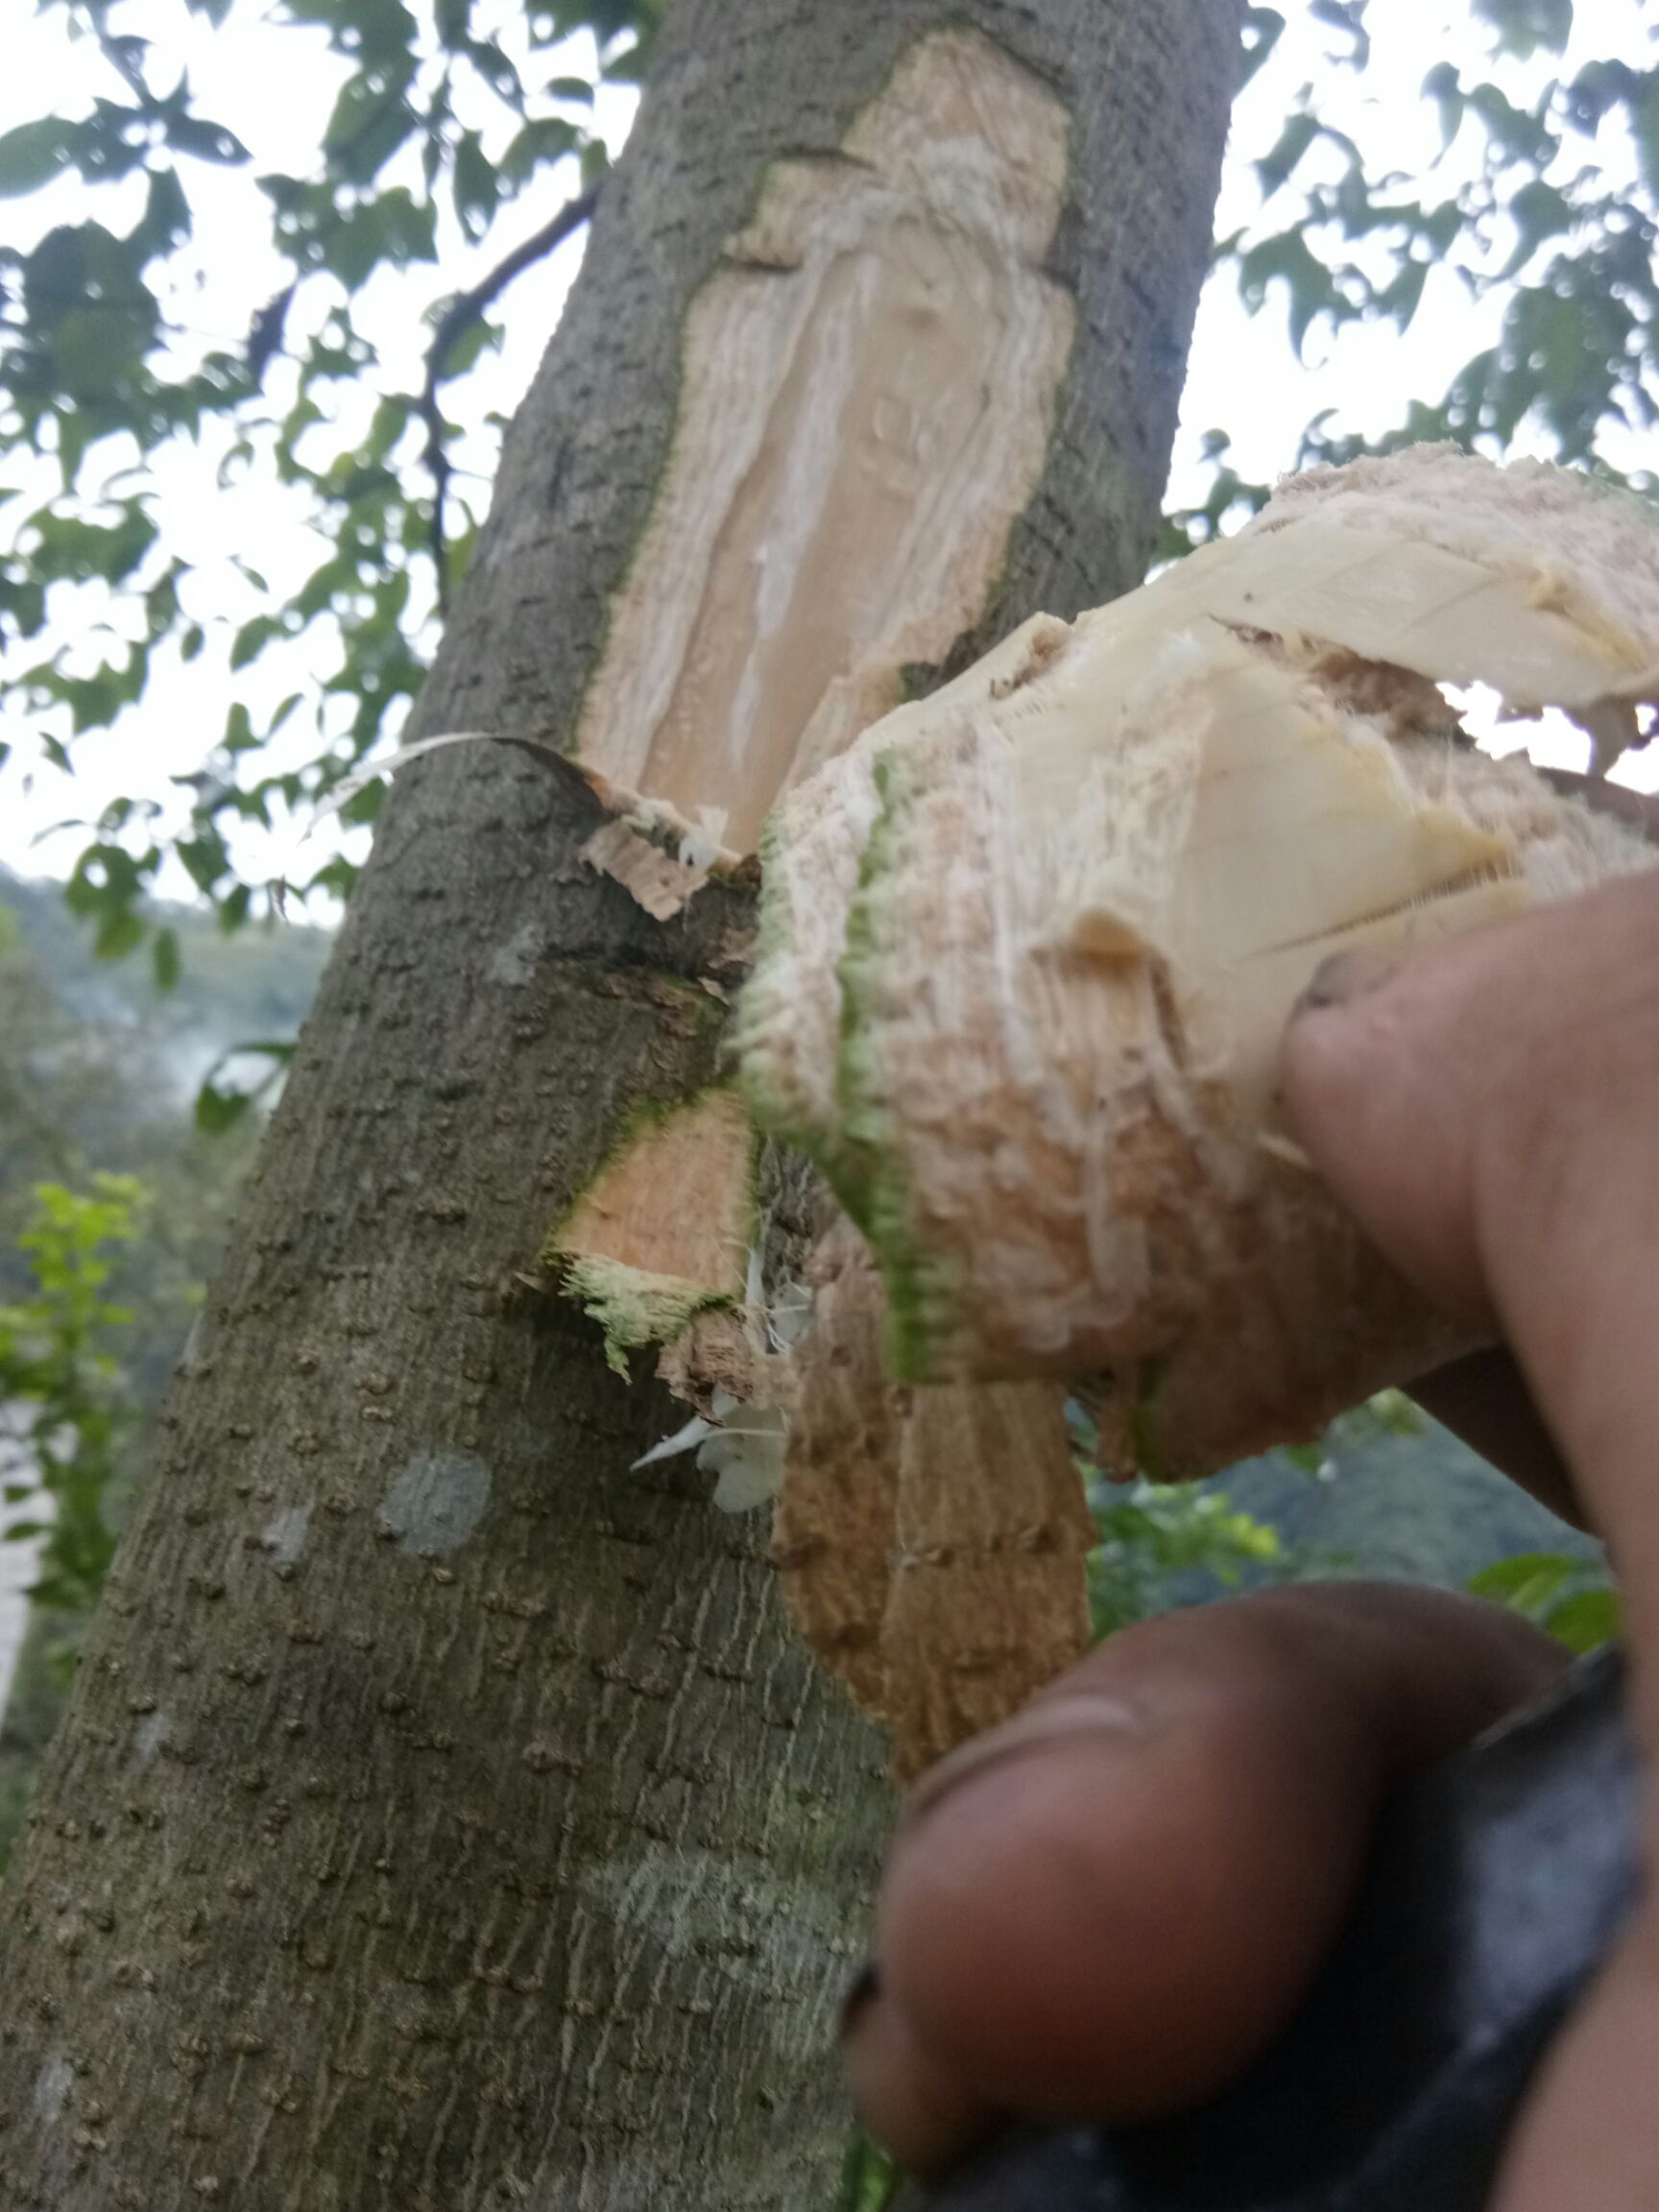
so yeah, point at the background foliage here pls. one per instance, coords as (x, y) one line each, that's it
(351, 380)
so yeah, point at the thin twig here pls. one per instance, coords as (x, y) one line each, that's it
(459, 317)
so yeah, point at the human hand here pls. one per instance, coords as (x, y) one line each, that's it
(1104, 1910)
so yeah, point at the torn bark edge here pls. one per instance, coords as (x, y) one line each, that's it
(661, 859)
(649, 847)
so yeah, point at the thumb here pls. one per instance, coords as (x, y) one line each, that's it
(1489, 1109)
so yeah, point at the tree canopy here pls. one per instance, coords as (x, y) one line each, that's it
(192, 297)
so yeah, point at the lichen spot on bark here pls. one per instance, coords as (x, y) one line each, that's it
(284, 1534)
(436, 1503)
(52, 2087)
(868, 392)
(148, 1736)
(514, 963)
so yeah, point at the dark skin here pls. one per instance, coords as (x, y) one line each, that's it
(1106, 1909)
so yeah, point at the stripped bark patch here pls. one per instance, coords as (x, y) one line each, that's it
(832, 1536)
(867, 397)
(664, 1228)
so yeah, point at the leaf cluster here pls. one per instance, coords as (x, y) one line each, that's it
(63, 1406)
(446, 113)
(1528, 202)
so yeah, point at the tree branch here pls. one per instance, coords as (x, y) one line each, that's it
(459, 317)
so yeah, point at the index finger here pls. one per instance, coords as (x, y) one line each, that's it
(1489, 1109)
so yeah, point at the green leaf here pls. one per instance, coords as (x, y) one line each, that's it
(1516, 136)
(1445, 88)
(371, 30)
(217, 1111)
(1538, 212)
(394, 228)
(35, 152)
(548, 138)
(1277, 167)
(1585, 1621)
(166, 217)
(470, 348)
(118, 934)
(165, 958)
(1526, 1582)
(1643, 104)
(372, 118)
(496, 71)
(205, 141)
(1289, 257)
(476, 188)
(1264, 28)
(1400, 299)
(1521, 27)
(253, 637)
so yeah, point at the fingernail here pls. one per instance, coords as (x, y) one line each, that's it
(1050, 1720)
(1344, 978)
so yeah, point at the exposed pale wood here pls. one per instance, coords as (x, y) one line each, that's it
(867, 398)
(676, 1200)
(868, 395)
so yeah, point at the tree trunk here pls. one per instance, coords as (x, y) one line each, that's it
(445, 1817)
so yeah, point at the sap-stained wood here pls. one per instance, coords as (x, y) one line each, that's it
(530, 1871)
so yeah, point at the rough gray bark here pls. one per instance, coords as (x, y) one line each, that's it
(445, 1817)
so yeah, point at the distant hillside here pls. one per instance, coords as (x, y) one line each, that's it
(98, 1072)
(1419, 1509)
(254, 984)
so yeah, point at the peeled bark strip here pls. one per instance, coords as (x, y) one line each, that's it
(989, 1595)
(833, 1532)
(1029, 949)
(932, 1542)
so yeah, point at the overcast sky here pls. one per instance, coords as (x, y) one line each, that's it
(274, 85)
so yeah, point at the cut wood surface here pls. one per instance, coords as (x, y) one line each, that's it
(1029, 948)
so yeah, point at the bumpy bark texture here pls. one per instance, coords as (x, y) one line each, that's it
(445, 1817)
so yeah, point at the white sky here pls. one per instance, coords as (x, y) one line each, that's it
(274, 85)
